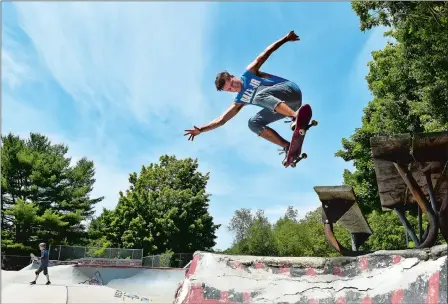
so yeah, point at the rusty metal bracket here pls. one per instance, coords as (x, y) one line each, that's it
(422, 202)
(339, 205)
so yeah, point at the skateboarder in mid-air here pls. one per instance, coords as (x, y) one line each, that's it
(43, 264)
(278, 97)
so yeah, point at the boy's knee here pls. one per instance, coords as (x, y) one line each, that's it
(255, 125)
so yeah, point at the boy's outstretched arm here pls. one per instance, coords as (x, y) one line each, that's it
(218, 122)
(255, 65)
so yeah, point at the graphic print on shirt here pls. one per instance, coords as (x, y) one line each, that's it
(252, 84)
(249, 92)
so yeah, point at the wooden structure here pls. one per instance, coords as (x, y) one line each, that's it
(412, 173)
(339, 205)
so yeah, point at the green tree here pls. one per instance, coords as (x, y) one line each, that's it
(44, 198)
(165, 208)
(420, 29)
(408, 80)
(261, 239)
(240, 223)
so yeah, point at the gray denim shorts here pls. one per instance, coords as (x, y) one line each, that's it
(268, 98)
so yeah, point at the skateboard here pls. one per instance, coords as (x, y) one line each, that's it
(303, 124)
(33, 257)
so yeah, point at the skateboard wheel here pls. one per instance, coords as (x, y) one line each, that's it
(293, 164)
(314, 122)
(304, 155)
(302, 132)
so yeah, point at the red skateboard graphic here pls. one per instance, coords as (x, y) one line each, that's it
(302, 126)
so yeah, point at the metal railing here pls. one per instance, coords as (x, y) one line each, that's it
(101, 256)
(67, 253)
(173, 260)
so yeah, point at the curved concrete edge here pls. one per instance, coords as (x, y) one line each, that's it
(404, 276)
(25, 293)
(67, 294)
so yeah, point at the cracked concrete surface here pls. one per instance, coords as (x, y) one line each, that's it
(383, 277)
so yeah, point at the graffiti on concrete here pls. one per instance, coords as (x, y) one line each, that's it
(119, 293)
(96, 279)
(131, 296)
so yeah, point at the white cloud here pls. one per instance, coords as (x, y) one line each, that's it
(143, 63)
(359, 71)
(142, 57)
(120, 60)
(21, 119)
(13, 72)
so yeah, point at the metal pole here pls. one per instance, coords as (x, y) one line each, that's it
(423, 203)
(420, 227)
(407, 238)
(407, 226)
(432, 195)
(59, 255)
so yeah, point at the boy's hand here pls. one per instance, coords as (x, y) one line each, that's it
(192, 133)
(292, 36)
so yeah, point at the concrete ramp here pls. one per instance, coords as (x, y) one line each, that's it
(23, 293)
(62, 294)
(408, 276)
(93, 284)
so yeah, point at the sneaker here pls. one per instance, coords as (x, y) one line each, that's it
(48, 283)
(33, 282)
(293, 121)
(284, 150)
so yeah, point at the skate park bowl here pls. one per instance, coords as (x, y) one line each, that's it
(405, 276)
(92, 284)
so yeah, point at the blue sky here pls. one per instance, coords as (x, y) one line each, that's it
(120, 82)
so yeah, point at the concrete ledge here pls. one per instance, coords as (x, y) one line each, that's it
(408, 276)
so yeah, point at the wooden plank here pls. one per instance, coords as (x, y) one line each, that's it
(329, 193)
(430, 146)
(391, 186)
(393, 190)
(392, 148)
(406, 149)
(353, 219)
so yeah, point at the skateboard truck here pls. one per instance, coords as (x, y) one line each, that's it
(296, 160)
(303, 131)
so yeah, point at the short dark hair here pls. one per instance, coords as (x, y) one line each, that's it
(221, 79)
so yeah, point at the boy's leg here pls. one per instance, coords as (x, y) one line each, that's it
(258, 124)
(46, 274)
(39, 270)
(284, 99)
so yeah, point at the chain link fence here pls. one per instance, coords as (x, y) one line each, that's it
(101, 256)
(173, 260)
(15, 262)
(68, 253)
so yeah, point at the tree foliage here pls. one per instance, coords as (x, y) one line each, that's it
(44, 198)
(408, 80)
(289, 237)
(165, 208)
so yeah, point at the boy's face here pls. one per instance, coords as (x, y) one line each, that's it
(233, 84)
(41, 248)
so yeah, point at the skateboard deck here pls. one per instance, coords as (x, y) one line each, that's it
(303, 124)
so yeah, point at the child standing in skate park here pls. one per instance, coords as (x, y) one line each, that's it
(43, 264)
